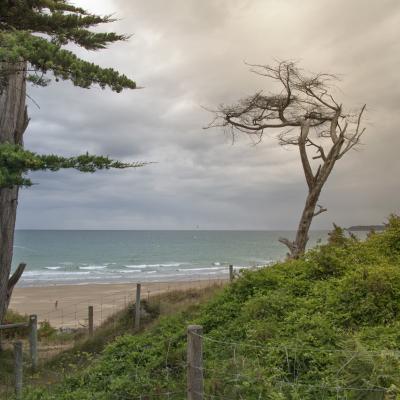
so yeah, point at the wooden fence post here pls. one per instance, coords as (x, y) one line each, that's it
(195, 386)
(231, 273)
(90, 315)
(33, 341)
(18, 369)
(137, 307)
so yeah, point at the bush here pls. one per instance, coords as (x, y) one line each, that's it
(369, 295)
(46, 331)
(387, 243)
(327, 262)
(13, 317)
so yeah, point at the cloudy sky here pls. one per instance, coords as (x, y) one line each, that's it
(188, 54)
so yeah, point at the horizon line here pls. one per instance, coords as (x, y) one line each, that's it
(170, 229)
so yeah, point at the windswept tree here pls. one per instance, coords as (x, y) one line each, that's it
(33, 36)
(305, 114)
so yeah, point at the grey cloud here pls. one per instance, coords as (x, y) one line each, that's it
(188, 54)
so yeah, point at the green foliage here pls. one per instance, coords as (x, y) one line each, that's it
(15, 162)
(337, 236)
(369, 295)
(390, 247)
(327, 261)
(46, 331)
(12, 317)
(35, 31)
(326, 326)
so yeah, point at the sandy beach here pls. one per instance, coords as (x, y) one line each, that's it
(66, 306)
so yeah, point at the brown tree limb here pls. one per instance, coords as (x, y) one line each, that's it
(12, 281)
(288, 243)
(355, 138)
(333, 127)
(319, 148)
(320, 211)
(305, 129)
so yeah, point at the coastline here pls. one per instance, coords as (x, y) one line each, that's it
(66, 306)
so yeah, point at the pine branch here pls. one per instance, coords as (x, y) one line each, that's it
(88, 40)
(35, 31)
(15, 162)
(47, 56)
(62, 22)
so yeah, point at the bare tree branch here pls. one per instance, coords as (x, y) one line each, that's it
(303, 154)
(320, 211)
(288, 243)
(13, 280)
(354, 139)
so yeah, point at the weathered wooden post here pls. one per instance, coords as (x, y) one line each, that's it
(33, 341)
(231, 273)
(90, 315)
(195, 386)
(137, 307)
(18, 369)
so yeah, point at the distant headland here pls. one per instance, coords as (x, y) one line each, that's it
(367, 228)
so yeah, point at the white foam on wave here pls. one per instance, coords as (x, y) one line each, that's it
(94, 267)
(15, 246)
(53, 268)
(216, 263)
(201, 269)
(142, 266)
(55, 273)
(168, 265)
(129, 272)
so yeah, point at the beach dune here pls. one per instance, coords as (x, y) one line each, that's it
(66, 306)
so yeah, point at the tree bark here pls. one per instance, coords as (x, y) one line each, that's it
(307, 216)
(315, 184)
(13, 122)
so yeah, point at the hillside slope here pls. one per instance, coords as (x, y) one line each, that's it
(323, 327)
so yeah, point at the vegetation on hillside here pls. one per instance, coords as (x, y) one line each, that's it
(326, 326)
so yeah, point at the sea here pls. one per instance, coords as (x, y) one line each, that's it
(55, 257)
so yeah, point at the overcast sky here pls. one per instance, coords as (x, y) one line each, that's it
(188, 54)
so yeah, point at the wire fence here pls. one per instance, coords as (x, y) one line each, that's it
(237, 376)
(65, 314)
(235, 370)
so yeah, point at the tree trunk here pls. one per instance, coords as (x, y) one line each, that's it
(300, 243)
(13, 122)
(315, 184)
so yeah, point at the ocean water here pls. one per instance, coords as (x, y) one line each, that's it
(81, 257)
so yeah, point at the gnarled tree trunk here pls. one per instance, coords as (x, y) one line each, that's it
(315, 184)
(13, 122)
(300, 243)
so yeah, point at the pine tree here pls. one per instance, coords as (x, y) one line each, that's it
(33, 36)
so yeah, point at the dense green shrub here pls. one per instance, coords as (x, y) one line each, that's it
(370, 295)
(12, 317)
(46, 331)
